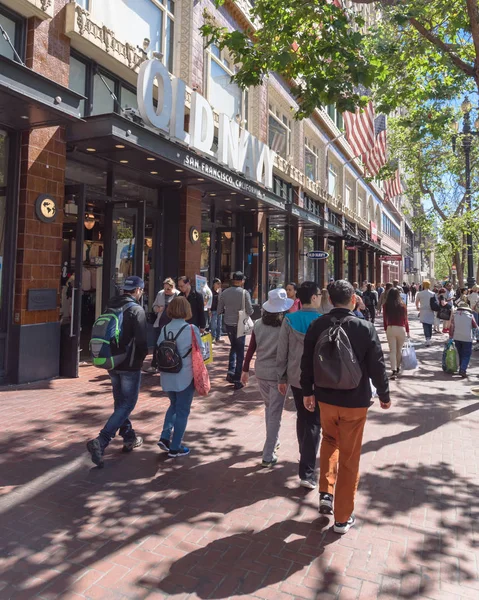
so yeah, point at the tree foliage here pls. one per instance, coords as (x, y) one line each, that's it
(415, 52)
(435, 183)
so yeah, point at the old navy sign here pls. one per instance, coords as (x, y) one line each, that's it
(317, 255)
(238, 150)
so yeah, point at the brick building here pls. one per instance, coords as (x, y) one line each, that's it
(108, 167)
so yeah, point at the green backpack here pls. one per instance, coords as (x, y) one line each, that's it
(106, 349)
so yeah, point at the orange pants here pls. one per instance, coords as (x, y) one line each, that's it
(342, 430)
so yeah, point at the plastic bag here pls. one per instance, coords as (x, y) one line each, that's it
(449, 357)
(409, 359)
(200, 372)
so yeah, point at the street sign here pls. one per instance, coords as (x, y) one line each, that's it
(393, 258)
(317, 255)
(351, 247)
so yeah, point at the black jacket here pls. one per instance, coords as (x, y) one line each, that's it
(134, 328)
(367, 347)
(197, 304)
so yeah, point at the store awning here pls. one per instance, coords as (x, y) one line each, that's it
(125, 142)
(29, 100)
(313, 222)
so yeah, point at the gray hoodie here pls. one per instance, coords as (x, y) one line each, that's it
(290, 346)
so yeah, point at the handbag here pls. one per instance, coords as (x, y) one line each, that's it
(201, 376)
(245, 322)
(408, 357)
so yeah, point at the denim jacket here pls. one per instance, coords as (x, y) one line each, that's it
(177, 382)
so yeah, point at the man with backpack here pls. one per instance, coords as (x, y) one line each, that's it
(127, 360)
(341, 354)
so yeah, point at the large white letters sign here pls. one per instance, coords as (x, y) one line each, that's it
(239, 151)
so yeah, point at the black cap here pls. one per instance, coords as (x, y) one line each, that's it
(238, 276)
(132, 283)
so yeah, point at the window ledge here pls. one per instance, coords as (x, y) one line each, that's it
(99, 42)
(42, 9)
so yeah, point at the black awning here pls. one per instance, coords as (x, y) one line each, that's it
(118, 139)
(29, 100)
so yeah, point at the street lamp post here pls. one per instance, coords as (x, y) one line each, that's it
(466, 136)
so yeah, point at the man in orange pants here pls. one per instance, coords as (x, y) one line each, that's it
(343, 404)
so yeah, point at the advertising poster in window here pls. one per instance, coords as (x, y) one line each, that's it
(203, 288)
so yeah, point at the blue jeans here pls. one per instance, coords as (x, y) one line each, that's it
(215, 325)
(427, 327)
(464, 349)
(176, 417)
(126, 387)
(236, 357)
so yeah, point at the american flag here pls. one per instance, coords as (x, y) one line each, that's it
(377, 157)
(393, 187)
(360, 129)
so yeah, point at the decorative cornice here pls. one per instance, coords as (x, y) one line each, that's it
(42, 9)
(78, 23)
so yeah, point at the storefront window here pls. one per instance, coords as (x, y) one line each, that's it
(308, 264)
(103, 102)
(205, 254)
(13, 26)
(276, 267)
(84, 4)
(77, 82)
(128, 98)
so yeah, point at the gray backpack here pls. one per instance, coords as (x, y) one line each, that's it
(335, 363)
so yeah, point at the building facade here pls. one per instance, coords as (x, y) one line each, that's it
(108, 168)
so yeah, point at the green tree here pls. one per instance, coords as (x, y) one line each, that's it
(416, 51)
(435, 185)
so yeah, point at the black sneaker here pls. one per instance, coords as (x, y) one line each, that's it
(344, 527)
(135, 443)
(238, 385)
(463, 374)
(230, 377)
(94, 448)
(164, 444)
(393, 375)
(325, 503)
(182, 451)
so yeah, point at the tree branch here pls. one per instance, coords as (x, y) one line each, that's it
(446, 48)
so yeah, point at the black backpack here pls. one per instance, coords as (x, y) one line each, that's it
(434, 304)
(168, 358)
(335, 363)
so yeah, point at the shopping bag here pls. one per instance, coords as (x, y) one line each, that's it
(408, 357)
(245, 322)
(201, 377)
(449, 362)
(207, 340)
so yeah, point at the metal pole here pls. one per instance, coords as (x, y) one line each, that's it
(466, 144)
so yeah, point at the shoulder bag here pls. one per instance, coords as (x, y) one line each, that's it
(245, 322)
(200, 372)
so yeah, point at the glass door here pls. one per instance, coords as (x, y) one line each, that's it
(124, 245)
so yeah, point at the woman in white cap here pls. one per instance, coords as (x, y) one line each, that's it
(264, 341)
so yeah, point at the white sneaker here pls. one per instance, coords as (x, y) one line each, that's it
(428, 343)
(308, 484)
(344, 527)
(150, 370)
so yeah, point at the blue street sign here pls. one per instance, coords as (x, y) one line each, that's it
(317, 255)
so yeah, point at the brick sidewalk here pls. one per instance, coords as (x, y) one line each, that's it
(215, 525)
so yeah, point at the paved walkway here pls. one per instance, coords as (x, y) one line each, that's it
(215, 525)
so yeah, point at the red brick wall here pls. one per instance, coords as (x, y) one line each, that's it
(42, 171)
(190, 216)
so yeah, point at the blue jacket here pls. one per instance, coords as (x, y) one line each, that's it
(290, 345)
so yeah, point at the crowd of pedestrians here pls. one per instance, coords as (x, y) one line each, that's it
(322, 345)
